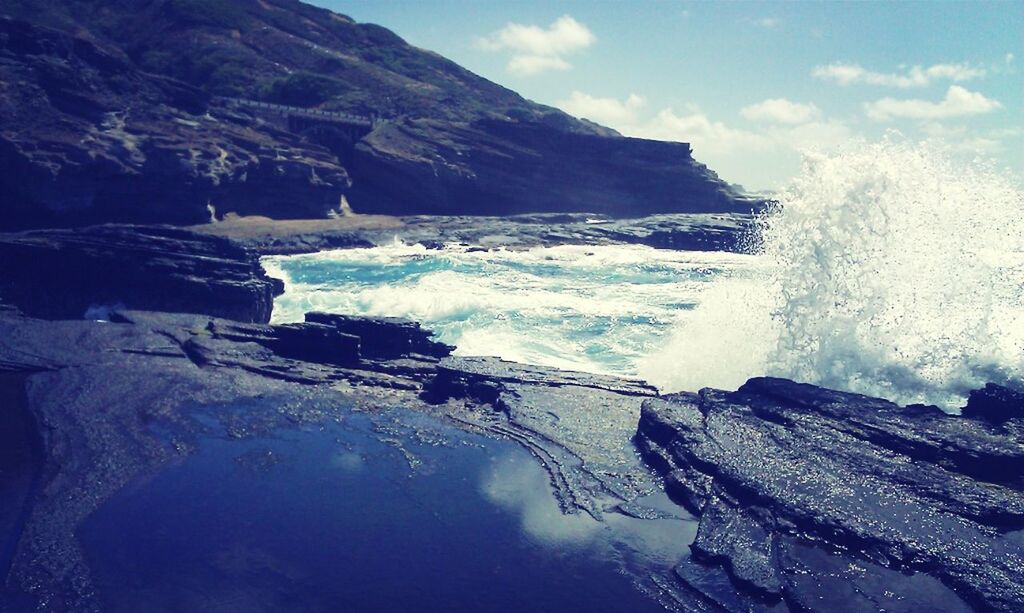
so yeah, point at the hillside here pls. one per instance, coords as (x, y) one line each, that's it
(113, 110)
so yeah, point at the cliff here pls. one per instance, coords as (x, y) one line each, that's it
(112, 111)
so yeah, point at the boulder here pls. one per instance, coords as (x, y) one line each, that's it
(995, 403)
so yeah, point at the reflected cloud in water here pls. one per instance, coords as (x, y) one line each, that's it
(522, 487)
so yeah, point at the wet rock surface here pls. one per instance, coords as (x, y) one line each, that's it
(63, 273)
(385, 338)
(809, 499)
(812, 499)
(116, 400)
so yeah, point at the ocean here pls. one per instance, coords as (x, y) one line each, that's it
(893, 270)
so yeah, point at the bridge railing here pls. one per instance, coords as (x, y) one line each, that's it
(283, 109)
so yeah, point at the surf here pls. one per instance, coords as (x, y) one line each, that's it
(893, 270)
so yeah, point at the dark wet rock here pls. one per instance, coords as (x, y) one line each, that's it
(805, 492)
(384, 338)
(64, 273)
(822, 580)
(996, 404)
(455, 375)
(576, 424)
(309, 342)
(115, 400)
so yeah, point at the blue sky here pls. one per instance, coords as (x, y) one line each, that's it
(751, 85)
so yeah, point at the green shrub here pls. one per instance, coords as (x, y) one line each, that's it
(229, 14)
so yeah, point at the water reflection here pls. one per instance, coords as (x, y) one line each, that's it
(523, 488)
(332, 518)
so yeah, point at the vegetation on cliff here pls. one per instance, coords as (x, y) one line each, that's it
(115, 116)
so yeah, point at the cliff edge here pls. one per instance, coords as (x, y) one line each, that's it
(114, 111)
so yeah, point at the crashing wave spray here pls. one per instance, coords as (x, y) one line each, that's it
(892, 271)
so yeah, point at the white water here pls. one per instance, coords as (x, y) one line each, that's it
(891, 271)
(596, 309)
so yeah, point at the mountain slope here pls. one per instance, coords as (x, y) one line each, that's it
(112, 110)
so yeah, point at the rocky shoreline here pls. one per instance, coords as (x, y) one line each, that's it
(808, 499)
(680, 231)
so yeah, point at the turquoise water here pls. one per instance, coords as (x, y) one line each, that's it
(892, 270)
(596, 309)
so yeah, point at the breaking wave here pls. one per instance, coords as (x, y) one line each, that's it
(893, 271)
(597, 309)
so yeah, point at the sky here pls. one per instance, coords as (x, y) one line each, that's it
(751, 85)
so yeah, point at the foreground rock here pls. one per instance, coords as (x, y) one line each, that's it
(818, 500)
(64, 273)
(94, 406)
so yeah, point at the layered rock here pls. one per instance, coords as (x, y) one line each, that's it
(819, 500)
(385, 338)
(65, 273)
(505, 166)
(111, 401)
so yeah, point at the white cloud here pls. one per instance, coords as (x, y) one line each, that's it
(768, 22)
(692, 126)
(812, 136)
(535, 49)
(607, 111)
(526, 65)
(957, 103)
(915, 76)
(761, 156)
(780, 110)
(707, 136)
(959, 138)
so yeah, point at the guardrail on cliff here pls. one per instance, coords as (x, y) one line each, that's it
(341, 117)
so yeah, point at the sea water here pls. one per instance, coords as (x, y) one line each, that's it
(596, 309)
(892, 270)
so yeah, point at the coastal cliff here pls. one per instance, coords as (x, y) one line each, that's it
(116, 112)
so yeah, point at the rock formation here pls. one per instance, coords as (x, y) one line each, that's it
(120, 115)
(813, 499)
(62, 274)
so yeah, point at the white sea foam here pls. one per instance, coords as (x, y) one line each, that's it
(597, 309)
(892, 271)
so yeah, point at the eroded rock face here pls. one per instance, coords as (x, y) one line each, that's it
(504, 166)
(61, 274)
(819, 500)
(116, 116)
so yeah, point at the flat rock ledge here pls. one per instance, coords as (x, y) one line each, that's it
(63, 274)
(811, 499)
